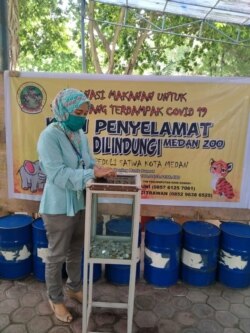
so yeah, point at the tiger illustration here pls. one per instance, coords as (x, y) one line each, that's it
(219, 170)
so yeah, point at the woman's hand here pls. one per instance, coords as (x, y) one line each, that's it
(101, 172)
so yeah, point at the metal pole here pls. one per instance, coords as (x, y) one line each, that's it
(4, 47)
(83, 11)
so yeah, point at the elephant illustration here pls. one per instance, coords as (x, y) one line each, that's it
(32, 176)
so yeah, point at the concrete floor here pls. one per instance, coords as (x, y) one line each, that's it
(180, 308)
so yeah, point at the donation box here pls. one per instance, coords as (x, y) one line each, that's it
(112, 202)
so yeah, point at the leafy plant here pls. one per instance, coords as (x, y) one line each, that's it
(50, 40)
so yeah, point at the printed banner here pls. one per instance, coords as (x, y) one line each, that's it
(187, 137)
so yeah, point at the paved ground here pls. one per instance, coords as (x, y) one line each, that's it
(178, 309)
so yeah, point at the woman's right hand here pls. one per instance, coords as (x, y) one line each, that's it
(101, 172)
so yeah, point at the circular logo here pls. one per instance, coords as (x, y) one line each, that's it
(31, 97)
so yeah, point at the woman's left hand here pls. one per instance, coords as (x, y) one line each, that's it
(101, 172)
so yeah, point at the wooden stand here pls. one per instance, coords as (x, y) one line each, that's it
(119, 196)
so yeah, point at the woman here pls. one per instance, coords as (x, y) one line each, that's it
(66, 160)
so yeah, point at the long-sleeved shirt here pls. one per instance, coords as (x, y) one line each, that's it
(63, 191)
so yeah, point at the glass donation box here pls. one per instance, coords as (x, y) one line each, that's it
(107, 201)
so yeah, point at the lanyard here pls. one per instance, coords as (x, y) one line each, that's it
(77, 152)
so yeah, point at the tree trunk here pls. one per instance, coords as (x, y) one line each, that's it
(114, 41)
(13, 21)
(93, 50)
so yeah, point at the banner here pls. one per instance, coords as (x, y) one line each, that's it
(188, 137)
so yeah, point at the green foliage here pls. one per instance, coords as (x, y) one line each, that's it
(50, 40)
(207, 57)
(46, 41)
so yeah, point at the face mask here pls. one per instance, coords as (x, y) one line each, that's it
(74, 123)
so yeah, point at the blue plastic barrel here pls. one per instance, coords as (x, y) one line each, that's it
(234, 261)
(99, 228)
(199, 253)
(15, 246)
(120, 274)
(40, 248)
(97, 271)
(162, 252)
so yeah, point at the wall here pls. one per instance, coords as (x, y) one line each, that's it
(6, 204)
(179, 213)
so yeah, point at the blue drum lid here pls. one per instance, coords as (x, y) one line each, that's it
(15, 221)
(119, 226)
(236, 229)
(38, 224)
(163, 227)
(201, 228)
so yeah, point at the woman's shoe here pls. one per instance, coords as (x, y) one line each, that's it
(64, 314)
(76, 295)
